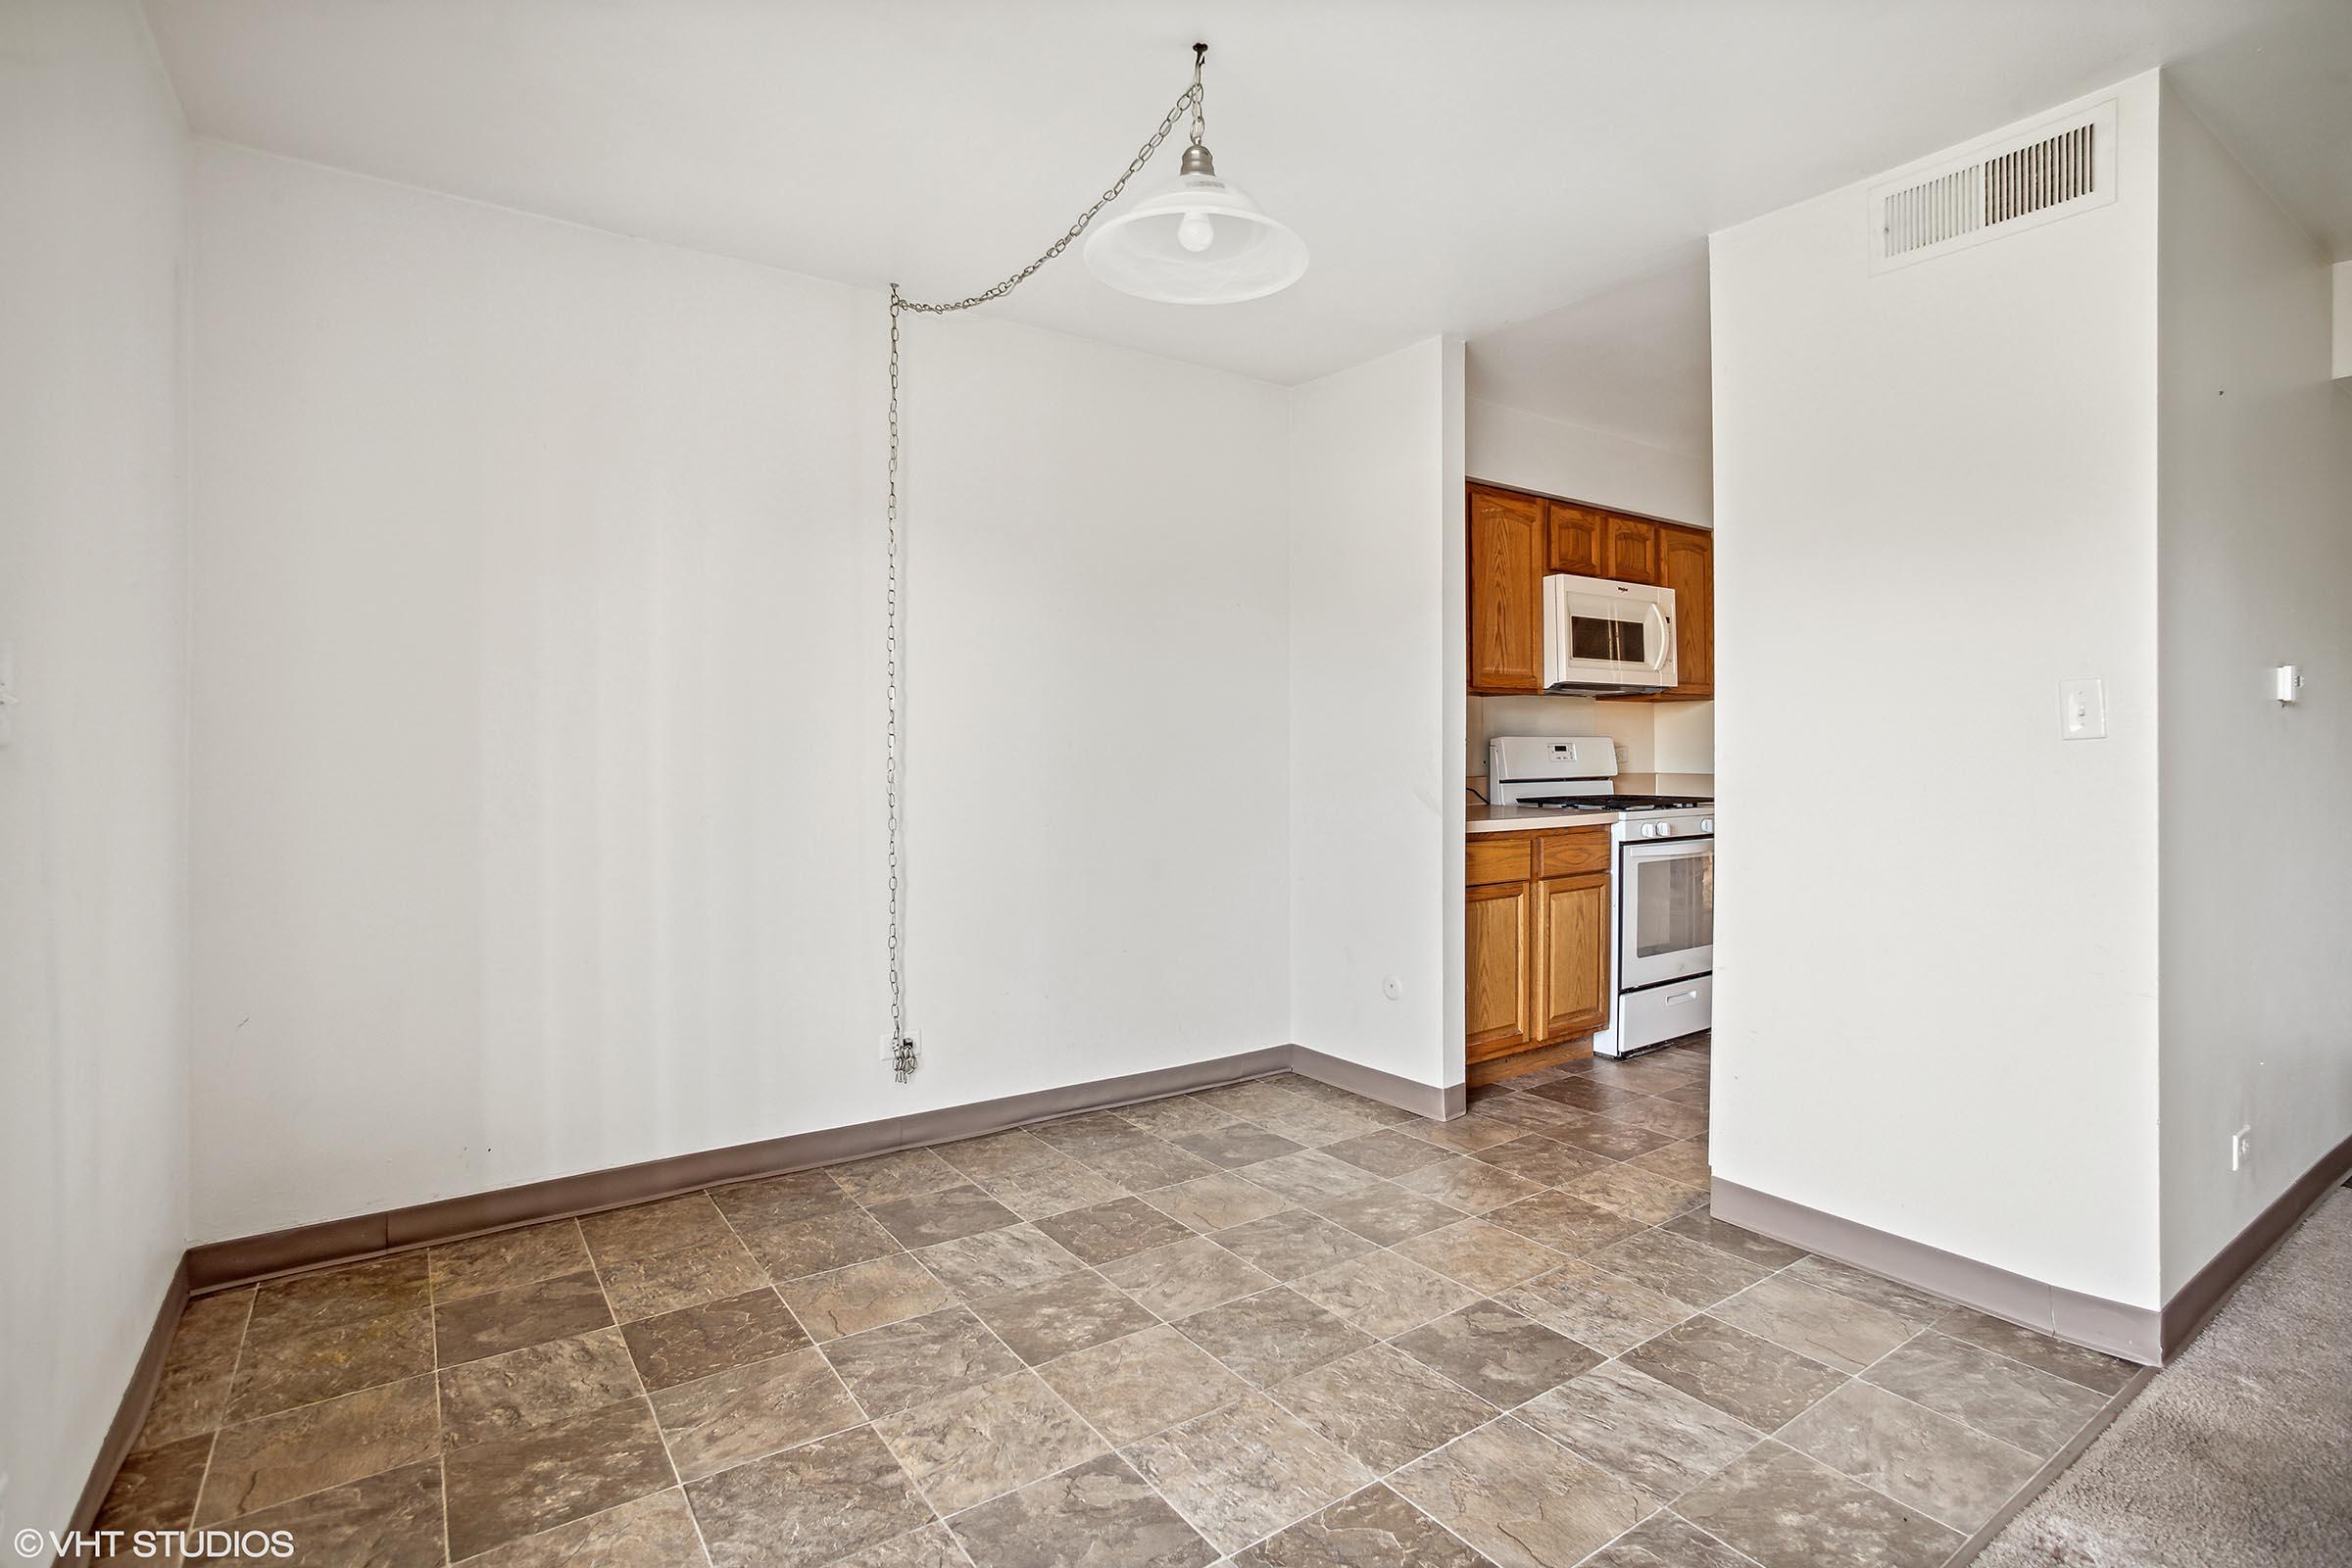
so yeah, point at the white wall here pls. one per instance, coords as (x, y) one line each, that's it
(538, 686)
(93, 790)
(1685, 739)
(1650, 737)
(1509, 446)
(1376, 712)
(1936, 982)
(1632, 726)
(2255, 556)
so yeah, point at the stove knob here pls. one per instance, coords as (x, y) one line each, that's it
(1650, 830)
(1665, 830)
(1706, 824)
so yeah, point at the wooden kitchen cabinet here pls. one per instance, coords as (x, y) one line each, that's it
(1505, 618)
(1498, 957)
(1576, 534)
(1630, 550)
(1516, 539)
(1535, 945)
(1572, 955)
(1687, 564)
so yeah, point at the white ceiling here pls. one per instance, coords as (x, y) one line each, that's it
(1455, 166)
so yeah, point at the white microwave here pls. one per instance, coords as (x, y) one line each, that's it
(1602, 636)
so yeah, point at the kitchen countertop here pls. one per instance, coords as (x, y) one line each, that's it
(1484, 818)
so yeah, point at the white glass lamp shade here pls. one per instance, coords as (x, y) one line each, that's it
(1198, 242)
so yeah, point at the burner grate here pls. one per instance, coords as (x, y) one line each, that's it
(1617, 803)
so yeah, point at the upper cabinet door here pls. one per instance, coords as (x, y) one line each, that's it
(1630, 550)
(1506, 591)
(1576, 539)
(1687, 564)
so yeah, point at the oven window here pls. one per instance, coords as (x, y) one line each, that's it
(1673, 904)
(1603, 637)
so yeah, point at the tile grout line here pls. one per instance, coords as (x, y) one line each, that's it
(1112, 1449)
(638, 1378)
(1847, 1379)
(685, 1498)
(1965, 1531)
(954, 1542)
(432, 1308)
(1117, 1450)
(1261, 1392)
(1371, 1176)
(236, 1363)
(308, 1404)
(1665, 1505)
(1268, 1392)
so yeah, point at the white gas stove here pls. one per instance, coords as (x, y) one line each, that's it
(1662, 960)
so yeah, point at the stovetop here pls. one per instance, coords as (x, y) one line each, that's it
(1616, 802)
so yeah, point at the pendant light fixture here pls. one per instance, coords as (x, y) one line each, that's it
(1199, 242)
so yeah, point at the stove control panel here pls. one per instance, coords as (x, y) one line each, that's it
(1636, 826)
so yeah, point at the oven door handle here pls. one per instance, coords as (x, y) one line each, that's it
(1666, 848)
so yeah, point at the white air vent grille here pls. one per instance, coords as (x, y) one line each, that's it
(2056, 169)
(2013, 184)
(1935, 210)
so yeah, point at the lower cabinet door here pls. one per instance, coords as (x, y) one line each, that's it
(1498, 959)
(1572, 955)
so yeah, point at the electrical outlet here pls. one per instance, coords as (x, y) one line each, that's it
(2242, 1149)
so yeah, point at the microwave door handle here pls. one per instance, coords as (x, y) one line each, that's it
(1665, 638)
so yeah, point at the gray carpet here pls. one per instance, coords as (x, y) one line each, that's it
(2240, 1453)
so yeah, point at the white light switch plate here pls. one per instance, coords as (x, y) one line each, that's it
(2082, 709)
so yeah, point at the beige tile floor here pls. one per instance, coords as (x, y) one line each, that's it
(1271, 1324)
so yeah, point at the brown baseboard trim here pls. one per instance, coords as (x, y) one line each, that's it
(2150, 1336)
(217, 1265)
(2193, 1304)
(131, 1414)
(1437, 1101)
(2129, 1332)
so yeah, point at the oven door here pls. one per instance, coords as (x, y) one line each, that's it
(1665, 912)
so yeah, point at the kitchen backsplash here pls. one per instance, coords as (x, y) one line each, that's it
(1650, 737)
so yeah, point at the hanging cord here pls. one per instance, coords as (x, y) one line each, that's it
(1194, 98)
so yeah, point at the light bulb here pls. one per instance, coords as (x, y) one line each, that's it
(1194, 233)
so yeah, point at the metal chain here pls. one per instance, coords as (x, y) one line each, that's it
(900, 1065)
(1192, 98)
